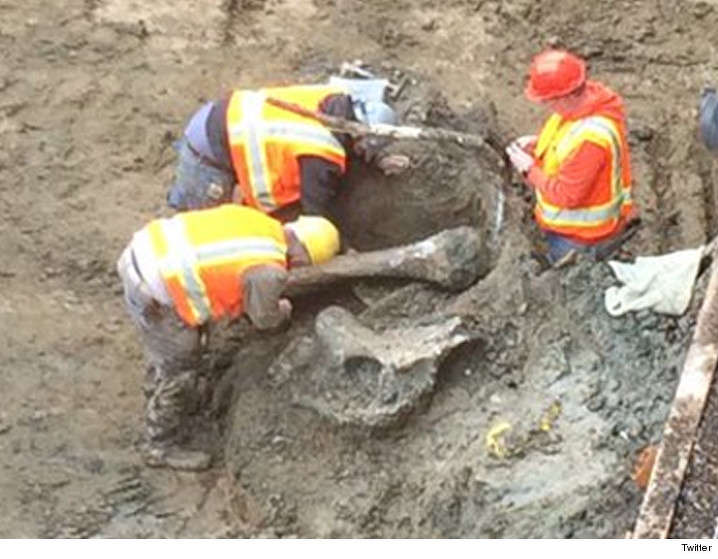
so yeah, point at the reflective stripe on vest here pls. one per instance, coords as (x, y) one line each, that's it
(293, 132)
(250, 128)
(249, 247)
(603, 132)
(180, 261)
(253, 133)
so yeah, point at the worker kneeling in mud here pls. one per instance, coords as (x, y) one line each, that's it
(578, 165)
(245, 150)
(182, 274)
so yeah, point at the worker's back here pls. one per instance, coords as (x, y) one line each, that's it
(202, 255)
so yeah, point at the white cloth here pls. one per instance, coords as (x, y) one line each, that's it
(663, 284)
(524, 141)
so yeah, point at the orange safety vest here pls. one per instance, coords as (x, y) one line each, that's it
(203, 254)
(610, 201)
(266, 141)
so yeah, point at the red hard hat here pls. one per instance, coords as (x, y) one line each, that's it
(554, 73)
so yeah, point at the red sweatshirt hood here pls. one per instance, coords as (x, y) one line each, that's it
(600, 100)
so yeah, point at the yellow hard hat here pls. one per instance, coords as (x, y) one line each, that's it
(318, 235)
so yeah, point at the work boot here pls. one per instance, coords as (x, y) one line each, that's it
(538, 263)
(176, 458)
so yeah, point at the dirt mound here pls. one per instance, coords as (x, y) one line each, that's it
(531, 432)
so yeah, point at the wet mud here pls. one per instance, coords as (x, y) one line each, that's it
(530, 430)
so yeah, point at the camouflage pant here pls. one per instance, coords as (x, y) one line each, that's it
(173, 354)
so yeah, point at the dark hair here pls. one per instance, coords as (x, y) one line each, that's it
(339, 105)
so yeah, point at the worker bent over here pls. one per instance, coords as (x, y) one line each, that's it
(245, 150)
(579, 163)
(182, 274)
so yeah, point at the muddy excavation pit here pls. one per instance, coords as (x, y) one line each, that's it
(524, 405)
(520, 413)
(526, 428)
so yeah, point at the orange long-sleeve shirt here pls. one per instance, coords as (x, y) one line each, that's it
(572, 186)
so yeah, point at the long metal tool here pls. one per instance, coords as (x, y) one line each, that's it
(390, 131)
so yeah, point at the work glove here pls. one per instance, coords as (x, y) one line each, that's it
(285, 308)
(521, 160)
(393, 164)
(285, 311)
(525, 141)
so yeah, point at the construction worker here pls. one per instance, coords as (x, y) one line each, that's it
(183, 274)
(578, 165)
(245, 150)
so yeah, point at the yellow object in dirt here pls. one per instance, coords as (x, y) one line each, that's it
(494, 440)
(550, 416)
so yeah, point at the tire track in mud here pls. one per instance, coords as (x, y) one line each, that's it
(89, 9)
(659, 182)
(233, 10)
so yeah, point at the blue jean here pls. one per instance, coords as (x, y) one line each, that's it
(559, 246)
(197, 184)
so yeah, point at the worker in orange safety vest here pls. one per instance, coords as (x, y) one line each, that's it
(579, 164)
(246, 150)
(184, 274)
